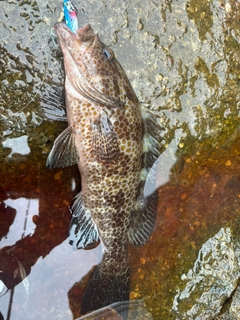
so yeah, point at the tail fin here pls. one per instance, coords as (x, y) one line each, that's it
(109, 283)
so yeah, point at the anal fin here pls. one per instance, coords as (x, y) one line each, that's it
(143, 220)
(83, 232)
(105, 145)
(64, 152)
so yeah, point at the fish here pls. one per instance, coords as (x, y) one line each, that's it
(114, 141)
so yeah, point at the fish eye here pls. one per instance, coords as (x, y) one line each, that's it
(108, 54)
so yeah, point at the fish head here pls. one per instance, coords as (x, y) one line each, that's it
(91, 67)
(75, 46)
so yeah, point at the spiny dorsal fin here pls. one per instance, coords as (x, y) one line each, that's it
(64, 152)
(104, 139)
(83, 231)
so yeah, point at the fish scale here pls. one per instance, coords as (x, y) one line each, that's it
(105, 137)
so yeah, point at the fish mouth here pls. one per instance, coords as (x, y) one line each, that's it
(79, 49)
(84, 34)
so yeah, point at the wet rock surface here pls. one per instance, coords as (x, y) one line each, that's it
(232, 310)
(211, 281)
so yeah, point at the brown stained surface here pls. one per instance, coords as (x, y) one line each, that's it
(49, 262)
(202, 196)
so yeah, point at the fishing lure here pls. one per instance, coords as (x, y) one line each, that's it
(70, 15)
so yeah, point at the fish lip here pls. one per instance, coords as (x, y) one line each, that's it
(63, 34)
(62, 27)
(70, 41)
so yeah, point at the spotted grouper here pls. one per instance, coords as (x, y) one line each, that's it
(114, 142)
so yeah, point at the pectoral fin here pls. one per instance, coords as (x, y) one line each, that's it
(83, 232)
(152, 137)
(104, 139)
(64, 152)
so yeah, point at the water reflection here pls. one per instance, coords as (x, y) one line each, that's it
(161, 170)
(23, 224)
(36, 261)
(17, 145)
(50, 280)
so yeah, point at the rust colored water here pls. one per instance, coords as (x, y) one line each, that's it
(34, 219)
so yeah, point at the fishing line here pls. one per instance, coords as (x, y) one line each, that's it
(10, 304)
(25, 220)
